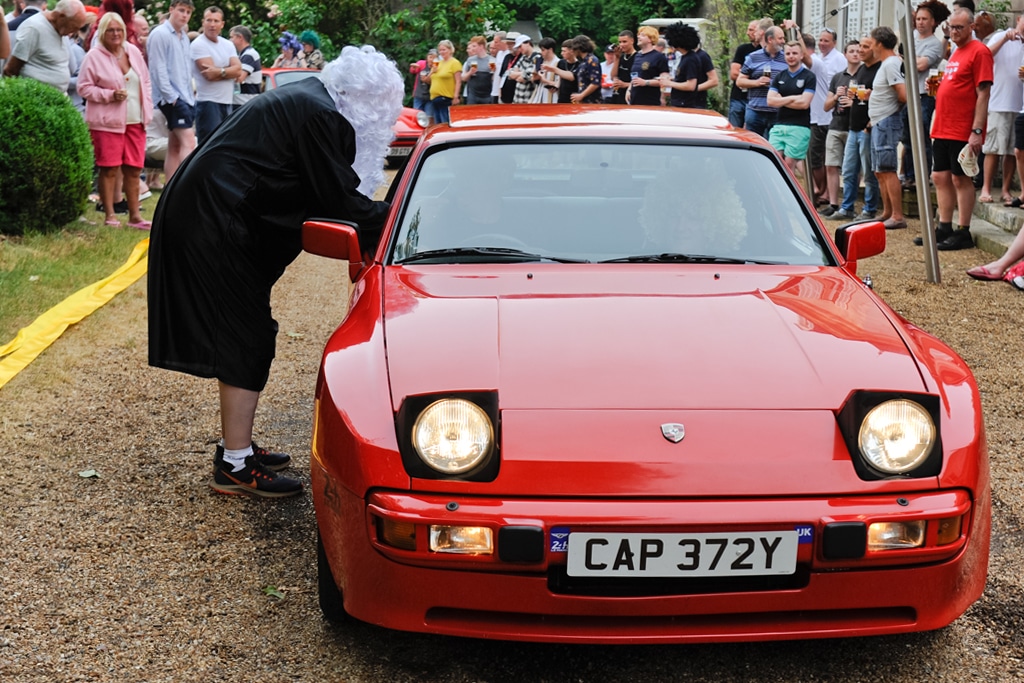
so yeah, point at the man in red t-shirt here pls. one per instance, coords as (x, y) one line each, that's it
(961, 116)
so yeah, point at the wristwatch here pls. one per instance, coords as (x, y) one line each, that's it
(222, 72)
(977, 131)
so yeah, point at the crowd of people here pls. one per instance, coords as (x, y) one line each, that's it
(641, 68)
(148, 96)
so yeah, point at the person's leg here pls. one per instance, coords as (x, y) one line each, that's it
(107, 180)
(871, 190)
(851, 173)
(1013, 254)
(237, 414)
(1009, 167)
(754, 122)
(988, 173)
(927, 112)
(892, 208)
(131, 192)
(907, 173)
(965, 197)
(945, 195)
(737, 112)
(180, 144)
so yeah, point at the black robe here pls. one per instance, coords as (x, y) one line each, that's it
(229, 222)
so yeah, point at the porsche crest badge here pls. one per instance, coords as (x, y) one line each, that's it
(673, 431)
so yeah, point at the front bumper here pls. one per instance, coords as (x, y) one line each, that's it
(486, 596)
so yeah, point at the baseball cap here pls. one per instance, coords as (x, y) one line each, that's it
(523, 39)
(968, 161)
(610, 47)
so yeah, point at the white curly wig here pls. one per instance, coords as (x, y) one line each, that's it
(367, 89)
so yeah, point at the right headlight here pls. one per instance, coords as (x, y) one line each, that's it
(896, 436)
(453, 436)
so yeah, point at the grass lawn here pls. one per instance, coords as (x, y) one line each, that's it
(39, 271)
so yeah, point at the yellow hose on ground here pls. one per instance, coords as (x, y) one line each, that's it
(47, 328)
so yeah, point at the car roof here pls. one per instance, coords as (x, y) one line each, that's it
(581, 120)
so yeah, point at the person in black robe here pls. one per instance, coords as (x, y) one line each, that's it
(229, 223)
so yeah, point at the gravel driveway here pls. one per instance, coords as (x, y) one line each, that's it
(143, 574)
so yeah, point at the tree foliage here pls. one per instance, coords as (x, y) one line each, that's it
(407, 34)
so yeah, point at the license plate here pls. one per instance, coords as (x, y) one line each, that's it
(634, 555)
(399, 151)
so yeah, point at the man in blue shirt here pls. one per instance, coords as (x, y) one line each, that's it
(170, 70)
(760, 67)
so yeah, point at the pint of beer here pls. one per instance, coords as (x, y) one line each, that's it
(933, 81)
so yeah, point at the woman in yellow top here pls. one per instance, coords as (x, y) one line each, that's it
(445, 80)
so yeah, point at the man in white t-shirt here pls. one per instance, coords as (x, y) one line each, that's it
(39, 53)
(215, 68)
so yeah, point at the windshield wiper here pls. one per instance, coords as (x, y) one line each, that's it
(485, 255)
(672, 257)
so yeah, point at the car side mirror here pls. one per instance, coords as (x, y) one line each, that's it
(859, 241)
(336, 240)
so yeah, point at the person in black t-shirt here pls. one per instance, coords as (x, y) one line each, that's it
(738, 96)
(691, 70)
(857, 157)
(566, 72)
(791, 93)
(627, 53)
(648, 65)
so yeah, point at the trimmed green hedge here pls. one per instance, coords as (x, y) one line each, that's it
(46, 158)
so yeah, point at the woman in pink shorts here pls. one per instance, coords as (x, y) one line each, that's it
(114, 82)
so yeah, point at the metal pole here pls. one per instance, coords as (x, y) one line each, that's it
(917, 133)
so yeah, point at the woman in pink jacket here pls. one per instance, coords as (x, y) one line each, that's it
(114, 82)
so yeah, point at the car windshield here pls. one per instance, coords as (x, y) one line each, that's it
(604, 202)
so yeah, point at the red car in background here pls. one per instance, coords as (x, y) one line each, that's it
(407, 129)
(607, 379)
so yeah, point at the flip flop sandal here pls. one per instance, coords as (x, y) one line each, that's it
(985, 199)
(983, 273)
(1016, 203)
(112, 222)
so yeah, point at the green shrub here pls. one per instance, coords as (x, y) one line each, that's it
(46, 158)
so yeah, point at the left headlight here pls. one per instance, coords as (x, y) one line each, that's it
(453, 436)
(896, 436)
(422, 118)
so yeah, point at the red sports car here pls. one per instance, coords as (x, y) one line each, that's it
(407, 129)
(606, 379)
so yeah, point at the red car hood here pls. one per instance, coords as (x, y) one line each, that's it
(655, 337)
(752, 364)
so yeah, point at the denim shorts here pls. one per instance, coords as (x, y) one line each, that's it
(885, 136)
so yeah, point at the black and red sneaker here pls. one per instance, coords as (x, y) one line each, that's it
(254, 479)
(270, 459)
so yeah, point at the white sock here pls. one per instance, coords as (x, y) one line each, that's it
(236, 458)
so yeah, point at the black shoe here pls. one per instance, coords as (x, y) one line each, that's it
(119, 207)
(829, 210)
(867, 214)
(270, 459)
(940, 235)
(960, 239)
(254, 479)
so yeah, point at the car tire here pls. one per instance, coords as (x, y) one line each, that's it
(332, 602)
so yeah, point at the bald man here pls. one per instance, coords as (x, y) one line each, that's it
(39, 53)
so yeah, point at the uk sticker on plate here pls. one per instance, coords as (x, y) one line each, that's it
(758, 553)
